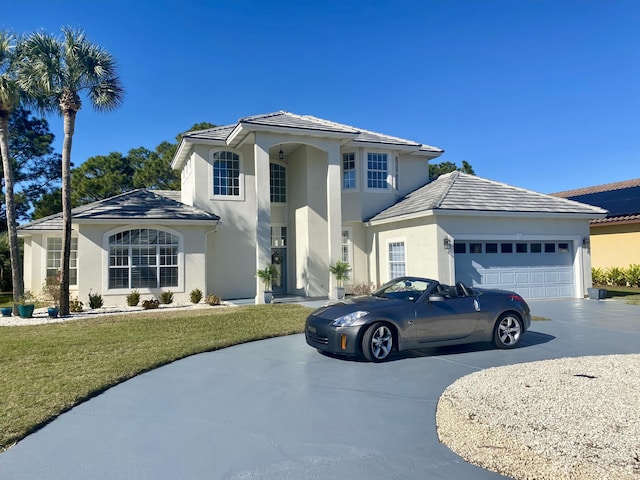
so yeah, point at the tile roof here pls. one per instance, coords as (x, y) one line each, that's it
(607, 187)
(457, 191)
(621, 199)
(289, 120)
(160, 205)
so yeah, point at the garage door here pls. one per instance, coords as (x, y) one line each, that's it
(532, 269)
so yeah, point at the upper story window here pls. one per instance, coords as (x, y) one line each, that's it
(377, 170)
(226, 174)
(349, 171)
(54, 258)
(278, 181)
(143, 258)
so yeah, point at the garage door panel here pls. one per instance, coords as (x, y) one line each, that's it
(534, 274)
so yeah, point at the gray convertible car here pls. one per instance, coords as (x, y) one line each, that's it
(413, 312)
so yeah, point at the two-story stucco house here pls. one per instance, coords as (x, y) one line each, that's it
(302, 193)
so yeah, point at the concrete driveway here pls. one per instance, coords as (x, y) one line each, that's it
(277, 409)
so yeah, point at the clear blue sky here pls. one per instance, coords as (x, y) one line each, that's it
(541, 94)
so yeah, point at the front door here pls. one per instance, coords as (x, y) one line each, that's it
(279, 259)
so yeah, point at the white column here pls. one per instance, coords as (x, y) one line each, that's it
(263, 211)
(334, 212)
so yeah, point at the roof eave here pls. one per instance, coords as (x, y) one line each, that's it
(244, 126)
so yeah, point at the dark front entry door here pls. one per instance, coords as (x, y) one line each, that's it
(279, 259)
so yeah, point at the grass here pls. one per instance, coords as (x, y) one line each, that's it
(630, 295)
(47, 369)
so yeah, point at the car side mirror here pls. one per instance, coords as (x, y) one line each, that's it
(436, 298)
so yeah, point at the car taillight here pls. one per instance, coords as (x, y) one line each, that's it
(517, 298)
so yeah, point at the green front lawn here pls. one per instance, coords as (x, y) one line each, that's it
(47, 369)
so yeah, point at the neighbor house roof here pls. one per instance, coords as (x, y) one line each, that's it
(286, 122)
(621, 199)
(458, 192)
(139, 206)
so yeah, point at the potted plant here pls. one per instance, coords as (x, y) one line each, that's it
(341, 273)
(268, 274)
(26, 306)
(51, 292)
(6, 311)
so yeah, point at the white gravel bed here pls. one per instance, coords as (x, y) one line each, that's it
(40, 315)
(572, 418)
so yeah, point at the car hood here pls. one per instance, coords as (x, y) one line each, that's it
(353, 304)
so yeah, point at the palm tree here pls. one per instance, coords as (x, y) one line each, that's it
(9, 100)
(54, 73)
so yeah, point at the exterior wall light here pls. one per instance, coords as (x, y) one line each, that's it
(281, 154)
(447, 243)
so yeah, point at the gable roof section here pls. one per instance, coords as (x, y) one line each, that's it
(621, 199)
(461, 192)
(139, 206)
(296, 124)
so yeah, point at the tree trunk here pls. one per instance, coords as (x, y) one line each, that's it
(69, 126)
(16, 264)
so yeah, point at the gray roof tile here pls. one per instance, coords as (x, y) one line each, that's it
(284, 119)
(135, 204)
(464, 192)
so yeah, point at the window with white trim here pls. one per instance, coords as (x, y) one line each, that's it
(377, 170)
(345, 247)
(143, 258)
(278, 183)
(397, 260)
(349, 171)
(226, 174)
(54, 259)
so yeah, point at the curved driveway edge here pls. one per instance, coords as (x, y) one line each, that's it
(277, 409)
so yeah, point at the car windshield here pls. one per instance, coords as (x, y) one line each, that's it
(409, 289)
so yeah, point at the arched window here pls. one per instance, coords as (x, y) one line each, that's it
(143, 258)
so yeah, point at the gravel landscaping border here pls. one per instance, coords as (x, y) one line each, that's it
(571, 418)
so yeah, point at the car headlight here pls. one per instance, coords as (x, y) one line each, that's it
(349, 319)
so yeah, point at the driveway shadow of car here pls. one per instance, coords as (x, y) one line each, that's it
(530, 339)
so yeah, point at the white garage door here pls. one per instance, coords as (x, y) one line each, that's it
(532, 269)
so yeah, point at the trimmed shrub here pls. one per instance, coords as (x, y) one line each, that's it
(598, 276)
(95, 300)
(149, 304)
(196, 295)
(166, 297)
(133, 298)
(75, 305)
(213, 299)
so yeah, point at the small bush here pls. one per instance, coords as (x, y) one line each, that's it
(148, 304)
(598, 276)
(196, 295)
(213, 299)
(632, 273)
(75, 305)
(133, 298)
(166, 297)
(616, 276)
(95, 300)
(361, 289)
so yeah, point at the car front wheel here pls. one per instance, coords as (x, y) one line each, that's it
(377, 342)
(508, 331)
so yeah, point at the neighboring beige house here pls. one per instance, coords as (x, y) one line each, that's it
(615, 238)
(303, 193)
